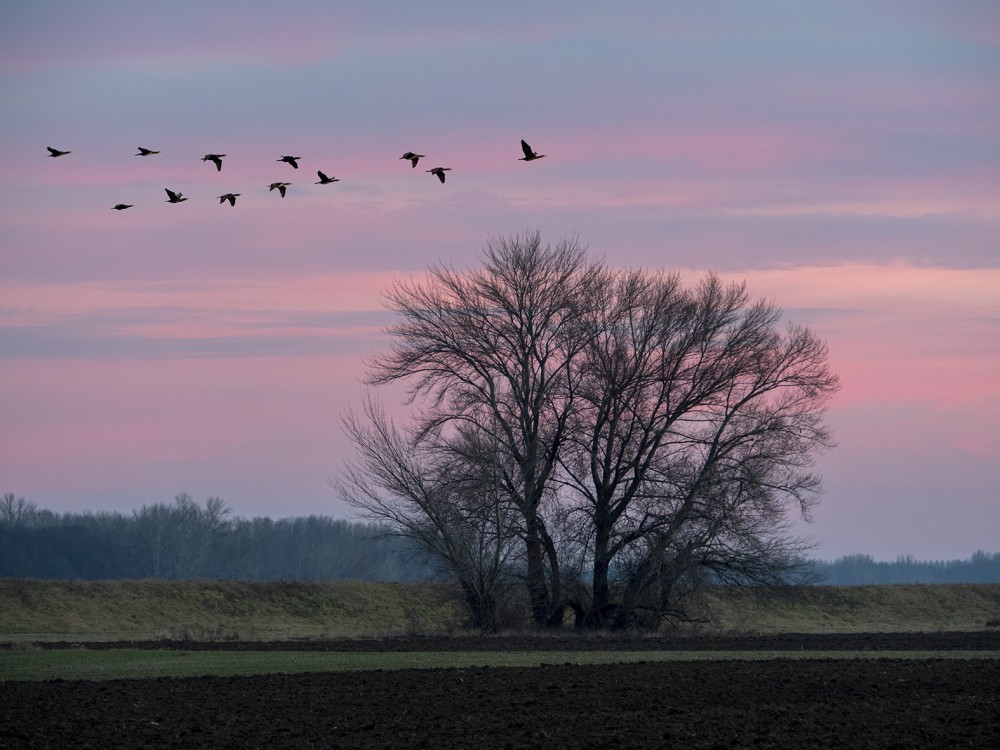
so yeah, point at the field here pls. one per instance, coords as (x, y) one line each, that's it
(844, 674)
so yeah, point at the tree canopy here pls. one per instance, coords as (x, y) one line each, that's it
(632, 435)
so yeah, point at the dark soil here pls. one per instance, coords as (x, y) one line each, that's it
(886, 703)
(954, 641)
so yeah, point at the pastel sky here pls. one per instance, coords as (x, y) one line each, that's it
(842, 158)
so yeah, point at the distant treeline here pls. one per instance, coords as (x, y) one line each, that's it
(862, 570)
(187, 540)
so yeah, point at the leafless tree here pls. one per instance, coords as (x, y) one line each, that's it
(15, 511)
(450, 504)
(695, 428)
(490, 351)
(656, 434)
(176, 540)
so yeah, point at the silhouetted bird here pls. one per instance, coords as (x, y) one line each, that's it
(217, 158)
(146, 151)
(57, 152)
(324, 180)
(439, 171)
(291, 160)
(414, 158)
(122, 206)
(173, 197)
(231, 197)
(280, 187)
(529, 155)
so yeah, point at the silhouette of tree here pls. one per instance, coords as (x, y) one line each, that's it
(490, 351)
(655, 433)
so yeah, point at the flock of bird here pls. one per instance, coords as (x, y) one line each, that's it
(177, 197)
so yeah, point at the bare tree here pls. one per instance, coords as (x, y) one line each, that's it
(657, 434)
(696, 425)
(450, 505)
(490, 351)
(176, 540)
(15, 511)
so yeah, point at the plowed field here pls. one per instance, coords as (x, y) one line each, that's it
(855, 703)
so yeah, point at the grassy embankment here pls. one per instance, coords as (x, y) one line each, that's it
(220, 610)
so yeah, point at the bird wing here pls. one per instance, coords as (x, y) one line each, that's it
(171, 194)
(526, 149)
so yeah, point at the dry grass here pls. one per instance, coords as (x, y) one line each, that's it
(853, 609)
(219, 610)
(223, 610)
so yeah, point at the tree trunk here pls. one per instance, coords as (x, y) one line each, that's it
(538, 592)
(557, 606)
(601, 589)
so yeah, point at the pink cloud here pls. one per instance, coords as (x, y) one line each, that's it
(233, 301)
(898, 334)
(171, 424)
(919, 386)
(190, 34)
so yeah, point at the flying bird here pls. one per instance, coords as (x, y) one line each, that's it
(173, 197)
(293, 160)
(439, 171)
(56, 152)
(529, 155)
(122, 206)
(324, 180)
(414, 158)
(280, 187)
(231, 197)
(216, 158)
(146, 151)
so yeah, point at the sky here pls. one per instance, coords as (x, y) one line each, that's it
(841, 158)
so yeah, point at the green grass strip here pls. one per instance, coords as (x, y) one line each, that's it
(80, 664)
